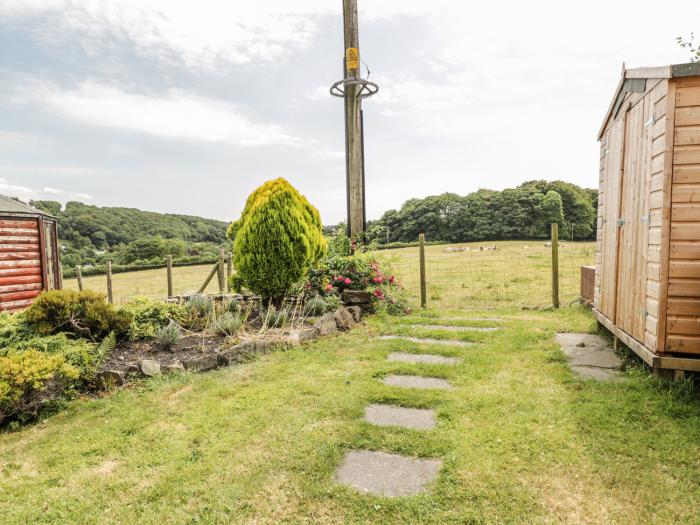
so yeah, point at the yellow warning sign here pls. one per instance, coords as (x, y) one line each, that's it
(352, 58)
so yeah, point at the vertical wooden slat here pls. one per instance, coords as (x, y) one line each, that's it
(666, 218)
(42, 251)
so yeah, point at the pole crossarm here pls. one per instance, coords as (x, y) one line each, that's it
(367, 88)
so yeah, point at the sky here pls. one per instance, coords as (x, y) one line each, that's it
(186, 107)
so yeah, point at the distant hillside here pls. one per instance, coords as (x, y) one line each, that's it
(83, 225)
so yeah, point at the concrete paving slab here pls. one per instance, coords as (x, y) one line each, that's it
(456, 328)
(386, 474)
(404, 357)
(433, 383)
(590, 356)
(446, 342)
(393, 416)
(467, 319)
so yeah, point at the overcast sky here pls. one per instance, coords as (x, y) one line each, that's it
(186, 107)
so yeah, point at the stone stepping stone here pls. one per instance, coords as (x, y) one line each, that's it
(447, 342)
(426, 383)
(393, 416)
(386, 474)
(456, 328)
(590, 356)
(404, 357)
(471, 319)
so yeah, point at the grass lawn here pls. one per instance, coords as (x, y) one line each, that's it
(522, 440)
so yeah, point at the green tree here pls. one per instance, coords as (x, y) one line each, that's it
(277, 239)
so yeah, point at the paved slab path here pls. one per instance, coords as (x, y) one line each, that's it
(427, 383)
(393, 416)
(404, 357)
(386, 474)
(445, 342)
(590, 356)
(456, 328)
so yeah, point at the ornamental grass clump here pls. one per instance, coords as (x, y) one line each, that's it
(315, 306)
(277, 239)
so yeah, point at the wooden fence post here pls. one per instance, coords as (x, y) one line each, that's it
(213, 272)
(110, 296)
(229, 269)
(555, 265)
(170, 275)
(79, 276)
(423, 289)
(222, 271)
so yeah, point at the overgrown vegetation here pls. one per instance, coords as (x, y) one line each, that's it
(276, 240)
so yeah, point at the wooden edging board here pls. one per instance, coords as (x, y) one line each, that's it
(656, 362)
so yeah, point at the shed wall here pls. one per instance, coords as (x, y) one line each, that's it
(683, 326)
(21, 276)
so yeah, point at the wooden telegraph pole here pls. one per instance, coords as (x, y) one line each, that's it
(353, 88)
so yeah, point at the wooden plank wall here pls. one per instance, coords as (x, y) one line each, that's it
(657, 189)
(608, 212)
(20, 263)
(630, 296)
(683, 326)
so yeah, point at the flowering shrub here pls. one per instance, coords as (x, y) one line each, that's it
(362, 271)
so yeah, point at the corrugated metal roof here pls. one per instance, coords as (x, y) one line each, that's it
(12, 206)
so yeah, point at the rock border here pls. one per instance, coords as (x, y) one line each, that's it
(330, 323)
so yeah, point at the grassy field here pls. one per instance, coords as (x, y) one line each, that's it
(149, 283)
(517, 273)
(522, 440)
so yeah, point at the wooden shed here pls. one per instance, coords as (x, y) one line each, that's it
(29, 256)
(647, 282)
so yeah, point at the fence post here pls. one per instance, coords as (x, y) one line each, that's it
(555, 265)
(222, 271)
(211, 275)
(79, 276)
(229, 268)
(423, 291)
(170, 275)
(110, 296)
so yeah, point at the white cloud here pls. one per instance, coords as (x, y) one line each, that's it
(15, 140)
(53, 191)
(173, 114)
(12, 190)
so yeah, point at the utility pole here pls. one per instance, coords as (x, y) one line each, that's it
(353, 88)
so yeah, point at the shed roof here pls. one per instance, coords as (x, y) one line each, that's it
(14, 207)
(633, 79)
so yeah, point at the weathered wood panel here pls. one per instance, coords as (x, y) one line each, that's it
(15, 305)
(684, 344)
(18, 296)
(689, 116)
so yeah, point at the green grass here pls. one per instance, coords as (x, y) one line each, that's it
(149, 283)
(522, 440)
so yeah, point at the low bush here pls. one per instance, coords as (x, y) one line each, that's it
(274, 318)
(168, 336)
(149, 315)
(315, 306)
(227, 324)
(31, 381)
(81, 314)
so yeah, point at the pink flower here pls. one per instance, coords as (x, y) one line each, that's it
(391, 279)
(329, 286)
(347, 280)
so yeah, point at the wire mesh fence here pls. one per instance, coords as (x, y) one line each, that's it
(491, 275)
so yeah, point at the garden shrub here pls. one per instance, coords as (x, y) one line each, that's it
(81, 314)
(227, 324)
(30, 381)
(274, 318)
(315, 306)
(168, 336)
(149, 315)
(277, 239)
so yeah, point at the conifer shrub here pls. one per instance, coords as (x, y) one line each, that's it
(83, 314)
(278, 237)
(30, 381)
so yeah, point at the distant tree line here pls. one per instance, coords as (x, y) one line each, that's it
(525, 212)
(91, 235)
